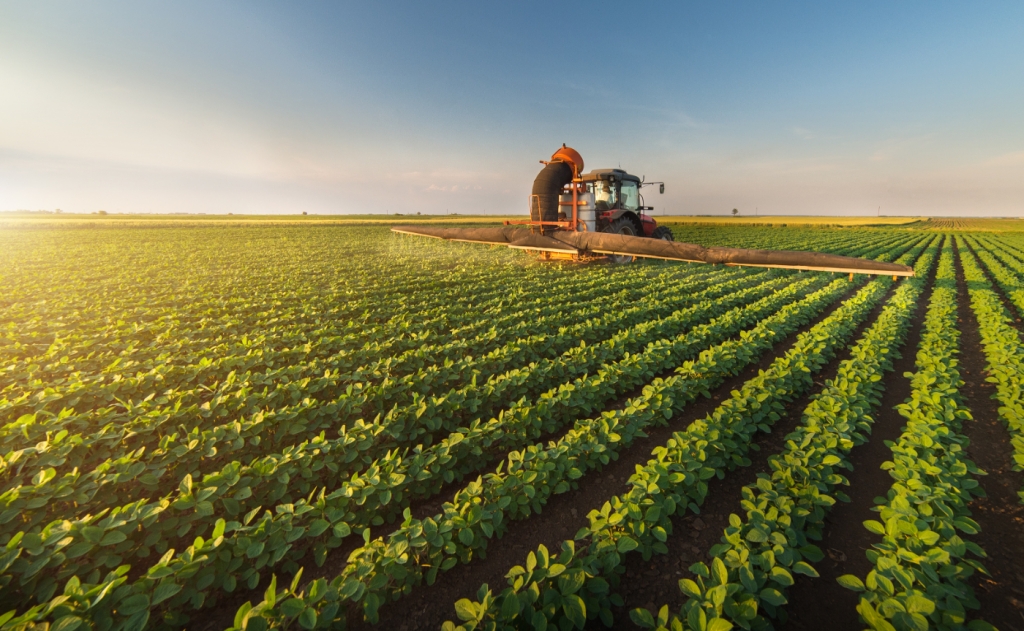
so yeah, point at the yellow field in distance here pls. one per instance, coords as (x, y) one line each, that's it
(22, 218)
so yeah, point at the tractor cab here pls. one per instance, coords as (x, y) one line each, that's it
(616, 196)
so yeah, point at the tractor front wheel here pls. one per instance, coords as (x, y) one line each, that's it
(625, 227)
(663, 233)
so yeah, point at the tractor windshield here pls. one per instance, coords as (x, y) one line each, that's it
(605, 194)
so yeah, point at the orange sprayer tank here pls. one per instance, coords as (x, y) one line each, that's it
(571, 156)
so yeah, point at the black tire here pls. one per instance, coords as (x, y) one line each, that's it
(623, 226)
(663, 233)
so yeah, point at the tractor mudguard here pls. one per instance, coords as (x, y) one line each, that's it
(614, 215)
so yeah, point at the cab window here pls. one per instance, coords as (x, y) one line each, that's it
(630, 196)
(605, 197)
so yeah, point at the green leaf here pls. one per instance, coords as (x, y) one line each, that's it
(919, 604)
(756, 535)
(510, 607)
(254, 549)
(849, 581)
(465, 609)
(240, 615)
(689, 588)
(133, 605)
(79, 549)
(136, 622)
(66, 623)
(164, 591)
(772, 597)
(627, 544)
(719, 624)
(292, 607)
(719, 572)
(270, 596)
(92, 534)
(801, 567)
(256, 623)
(575, 610)
(642, 618)
(539, 622)
(874, 527)
(307, 619)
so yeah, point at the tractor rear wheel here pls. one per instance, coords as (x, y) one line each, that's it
(663, 233)
(624, 227)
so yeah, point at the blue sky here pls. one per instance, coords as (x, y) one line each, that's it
(402, 107)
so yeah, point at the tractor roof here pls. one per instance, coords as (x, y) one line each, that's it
(609, 174)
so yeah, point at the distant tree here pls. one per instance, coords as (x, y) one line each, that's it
(735, 211)
(304, 213)
(102, 212)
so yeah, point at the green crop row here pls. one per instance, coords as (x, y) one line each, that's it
(145, 514)
(1004, 353)
(579, 585)
(103, 539)
(67, 547)
(322, 389)
(420, 549)
(374, 343)
(465, 301)
(301, 470)
(304, 397)
(756, 563)
(921, 575)
(239, 393)
(1011, 282)
(78, 493)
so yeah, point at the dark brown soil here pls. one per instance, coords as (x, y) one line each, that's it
(428, 607)
(1000, 514)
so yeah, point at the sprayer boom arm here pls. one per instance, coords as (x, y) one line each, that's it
(566, 242)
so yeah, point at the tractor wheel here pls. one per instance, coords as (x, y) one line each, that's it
(625, 227)
(663, 233)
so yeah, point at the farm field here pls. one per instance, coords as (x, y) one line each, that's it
(264, 424)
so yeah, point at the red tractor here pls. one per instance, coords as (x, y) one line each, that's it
(603, 200)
